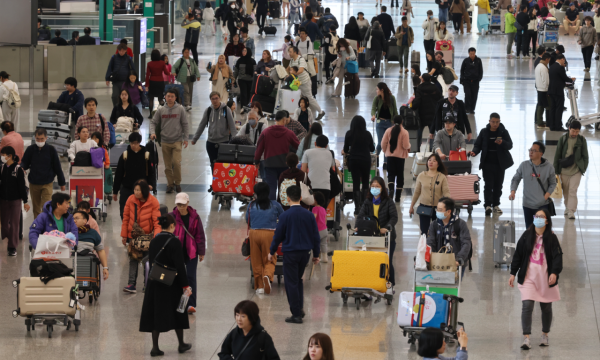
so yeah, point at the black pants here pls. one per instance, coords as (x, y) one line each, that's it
(425, 221)
(212, 149)
(392, 4)
(245, 92)
(493, 176)
(521, 38)
(232, 28)
(471, 93)
(429, 45)
(556, 111)
(260, 21)
(293, 271)
(392, 249)
(193, 48)
(125, 194)
(420, 137)
(326, 193)
(587, 52)
(360, 170)
(542, 104)
(375, 60)
(395, 171)
(313, 83)
(456, 19)
(525, 43)
(328, 59)
(532, 38)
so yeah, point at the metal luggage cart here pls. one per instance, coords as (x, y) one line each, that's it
(86, 177)
(495, 22)
(548, 34)
(586, 120)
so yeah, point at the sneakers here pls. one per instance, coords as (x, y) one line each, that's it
(267, 283)
(526, 344)
(405, 70)
(130, 289)
(188, 108)
(566, 212)
(170, 189)
(191, 310)
(488, 210)
(324, 258)
(178, 188)
(320, 116)
(260, 291)
(544, 341)
(12, 252)
(497, 210)
(541, 127)
(570, 215)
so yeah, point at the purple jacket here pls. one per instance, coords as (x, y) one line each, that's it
(45, 222)
(134, 92)
(198, 246)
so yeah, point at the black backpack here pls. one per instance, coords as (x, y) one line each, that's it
(410, 120)
(367, 226)
(83, 158)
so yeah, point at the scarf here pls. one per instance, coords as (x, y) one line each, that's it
(376, 201)
(83, 229)
(447, 229)
(223, 67)
(248, 61)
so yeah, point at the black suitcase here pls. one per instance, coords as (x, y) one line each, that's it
(362, 60)
(392, 53)
(270, 30)
(115, 153)
(236, 154)
(262, 85)
(267, 102)
(457, 167)
(353, 88)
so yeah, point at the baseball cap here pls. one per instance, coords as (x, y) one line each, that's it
(449, 118)
(182, 198)
(453, 87)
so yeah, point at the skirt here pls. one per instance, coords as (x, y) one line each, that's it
(157, 89)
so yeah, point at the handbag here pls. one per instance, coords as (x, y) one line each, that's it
(307, 194)
(424, 210)
(443, 261)
(141, 240)
(144, 99)
(246, 242)
(162, 273)
(551, 208)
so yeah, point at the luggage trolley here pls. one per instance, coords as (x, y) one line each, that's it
(548, 34)
(234, 174)
(87, 184)
(586, 120)
(495, 22)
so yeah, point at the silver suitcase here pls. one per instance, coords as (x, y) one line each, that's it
(53, 116)
(415, 58)
(414, 141)
(504, 240)
(54, 126)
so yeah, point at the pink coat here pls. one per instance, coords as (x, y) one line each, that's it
(16, 141)
(403, 146)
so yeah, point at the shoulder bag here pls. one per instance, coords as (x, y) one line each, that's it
(246, 242)
(141, 240)
(551, 208)
(307, 194)
(334, 180)
(162, 273)
(424, 210)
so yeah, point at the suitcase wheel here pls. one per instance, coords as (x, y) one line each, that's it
(278, 279)
(357, 302)
(470, 209)
(69, 325)
(49, 328)
(345, 298)
(90, 298)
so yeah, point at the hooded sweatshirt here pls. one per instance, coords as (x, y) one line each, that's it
(533, 195)
(172, 122)
(219, 122)
(447, 142)
(46, 222)
(275, 142)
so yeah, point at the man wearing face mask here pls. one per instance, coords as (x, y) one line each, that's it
(44, 165)
(429, 26)
(253, 128)
(450, 231)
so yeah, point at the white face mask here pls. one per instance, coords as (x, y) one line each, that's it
(4, 160)
(40, 144)
(342, 48)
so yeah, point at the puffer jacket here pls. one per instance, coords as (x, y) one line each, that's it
(147, 216)
(119, 68)
(425, 102)
(45, 222)
(192, 32)
(197, 245)
(388, 215)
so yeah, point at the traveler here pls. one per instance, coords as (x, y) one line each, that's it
(434, 68)
(406, 9)
(261, 9)
(432, 344)
(125, 108)
(304, 77)
(92, 120)
(310, 139)
(192, 28)
(297, 230)
(83, 144)
(571, 19)
(189, 230)
(311, 29)
(431, 185)
(54, 217)
(265, 64)
(383, 110)
(57, 40)
(220, 75)
(186, 72)
(10, 112)
(537, 264)
(448, 139)
(262, 215)
(386, 22)
(442, 33)
(379, 47)
(168, 79)
(74, 38)
(560, 50)
(451, 231)
(274, 143)
(12, 138)
(232, 19)
(93, 224)
(89, 239)
(317, 163)
(510, 30)
(536, 189)
(405, 37)
(292, 173)
(159, 310)
(442, 10)
(72, 97)
(13, 193)
(133, 165)
(219, 120)
(457, 9)
(234, 48)
(208, 17)
(239, 342)
(247, 41)
(295, 126)
(352, 32)
(471, 73)
(302, 114)
(136, 91)
(243, 72)
(345, 52)
(155, 81)
(482, 18)
(587, 39)
(396, 144)
(522, 44)
(86, 39)
(556, 90)
(358, 147)
(43, 31)
(142, 209)
(306, 50)
(494, 144)
(295, 6)
(44, 165)
(119, 67)
(532, 32)
(252, 129)
(451, 106)
(570, 162)
(326, 21)
(425, 103)
(542, 82)
(429, 26)
(320, 346)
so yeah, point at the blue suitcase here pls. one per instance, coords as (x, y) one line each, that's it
(432, 310)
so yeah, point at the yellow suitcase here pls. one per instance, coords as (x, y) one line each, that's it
(359, 269)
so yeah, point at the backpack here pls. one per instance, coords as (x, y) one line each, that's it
(13, 98)
(410, 120)
(367, 226)
(83, 158)
(329, 20)
(111, 129)
(258, 130)
(447, 75)
(146, 157)
(286, 183)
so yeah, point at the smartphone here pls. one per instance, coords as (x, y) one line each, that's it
(209, 64)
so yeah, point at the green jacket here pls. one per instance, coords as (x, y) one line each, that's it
(182, 74)
(378, 102)
(580, 150)
(509, 23)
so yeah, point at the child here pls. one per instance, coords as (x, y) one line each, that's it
(321, 217)
(284, 51)
(89, 239)
(85, 206)
(108, 175)
(169, 79)
(232, 106)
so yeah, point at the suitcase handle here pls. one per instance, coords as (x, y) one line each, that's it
(476, 187)
(382, 271)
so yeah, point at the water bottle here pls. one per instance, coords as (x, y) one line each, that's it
(183, 303)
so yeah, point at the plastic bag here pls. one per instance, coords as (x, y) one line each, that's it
(422, 250)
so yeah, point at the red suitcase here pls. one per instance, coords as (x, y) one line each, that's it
(234, 178)
(464, 188)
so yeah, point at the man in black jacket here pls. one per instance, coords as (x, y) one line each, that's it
(387, 23)
(556, 91)
(59, 41)
(86, 39)
(327, 21)
(494, 143)
(471, 73)
(426, 98)
(261, 8)
(118, 71)
(43, 31)
(457, 108)
(521, 37)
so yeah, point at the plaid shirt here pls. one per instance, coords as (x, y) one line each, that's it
(93, 124)
(297, 128)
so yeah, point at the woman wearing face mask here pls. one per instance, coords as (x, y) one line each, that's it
(320, 347)
(378, 204)
(430, 187)
(536, 264)
(12, 193)
(83, 144)
(432, 345)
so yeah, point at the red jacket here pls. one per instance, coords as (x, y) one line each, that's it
(233, 50)
(275, 142)
(155, 71)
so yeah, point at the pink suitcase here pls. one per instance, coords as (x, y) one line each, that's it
(464, 190)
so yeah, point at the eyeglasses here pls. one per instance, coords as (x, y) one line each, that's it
(533, 150)
(539, 217)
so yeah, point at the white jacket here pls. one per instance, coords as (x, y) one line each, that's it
(297, 114)
(77, 146)
(5, 87)
(542, 77)
(427, 26)
(440, 36)
(208, 14)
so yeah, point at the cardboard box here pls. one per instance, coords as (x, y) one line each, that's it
(85, 171)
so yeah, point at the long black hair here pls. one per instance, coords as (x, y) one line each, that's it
(531, 240)
(384, 194)
(395, 133)
(261, 190)
(387, 94)
(441, 168)
(315, 129)
(128, 97)
(358, 130)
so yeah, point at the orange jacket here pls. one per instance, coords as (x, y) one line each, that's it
(147, 215)
(106, 159)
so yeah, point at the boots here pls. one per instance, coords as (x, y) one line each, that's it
(398, 194)
(391, 190)
(357, 202)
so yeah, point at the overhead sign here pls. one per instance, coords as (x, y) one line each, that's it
(143, 33)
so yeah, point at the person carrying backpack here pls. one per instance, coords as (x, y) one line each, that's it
(327, 21)
(9, 98)
(94, 121)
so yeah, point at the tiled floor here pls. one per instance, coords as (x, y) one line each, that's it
(491, 311)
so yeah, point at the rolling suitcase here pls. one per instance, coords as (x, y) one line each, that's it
(431, 310)
(35, 297)
(414, 140)
(464, 188)
(362, 60)
(359, 269)
(458, 166)
(53, 116)
(353, 88)
(88, 271)
(289, 100)
(267, 102)
(234, 178)
(115, 153)
(392, 53)
(237, 154)
(504, 240)
(415, 58)
(262, 85)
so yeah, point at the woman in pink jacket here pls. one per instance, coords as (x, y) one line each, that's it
(396, 144)
(12, 138)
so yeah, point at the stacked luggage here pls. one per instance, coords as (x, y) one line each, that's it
(262, 90)
(234, 176)
(548, 34)
(60, 128)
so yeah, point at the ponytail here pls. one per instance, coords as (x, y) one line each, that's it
(395, 133)
(166, 221)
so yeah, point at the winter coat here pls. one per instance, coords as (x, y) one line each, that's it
(387, 215)
(192, 32)
(378, 103)
(12, 183)
(260, 345)
(425, 102)
(233, 50)
(260, 67)
(460, 113)
(45, 222)
(197, 245)
(182, 72)
(44, 164)
(505, 160)
(446, 142)
(136, 167)
(552, 251)
(159, 310)
(387, 24)
(352, 33)
(147, 216)
(471, 70)
(74, 100)
(580, 150)
(411, 36)
(460, 242)
(132, 111)
(119, 68)
(378, 42)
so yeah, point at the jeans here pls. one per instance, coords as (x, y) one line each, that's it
(125, 194)
(134, 265)
(375, 62)
(528, 213)
(271, 178)
(260, 21)
(245, 92)
(139, 106)
(519, 39)
(556, 111)
(294, 17)
(471, 93)
(570, 184)
(425, 221)
(395, 171)
(493, 176)
(116, 92)
(587, 52)
(510, 39)
(543, 103)
(527, 312)
(403, 56)
(443, 15)
(429, 45)
(361, 171)
(172, 160)
(294, 264)
(381, 126)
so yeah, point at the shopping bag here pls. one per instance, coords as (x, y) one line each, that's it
(422, 249)
(458, 155)
(557, 193)
(443, 260)
(52, 247)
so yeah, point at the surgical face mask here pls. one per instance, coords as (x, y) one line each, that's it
(375, 191)
(539, 222)
(252, 122)
(40, 144)
(430, 17)
(4, 160)
(342, 48)
(440, 215)
(233, 6)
